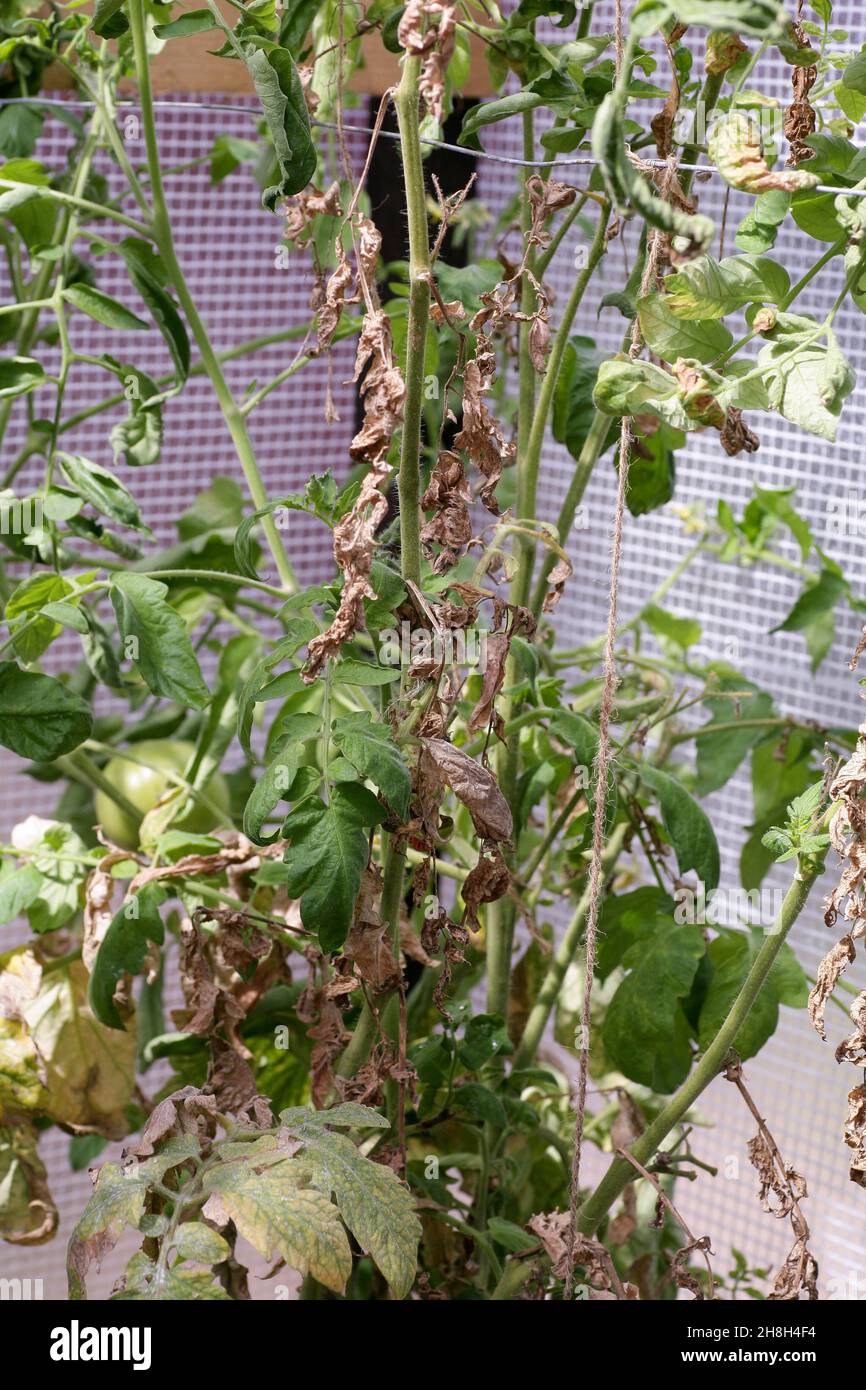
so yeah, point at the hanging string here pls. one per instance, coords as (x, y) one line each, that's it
(602, 762)
(573, 161)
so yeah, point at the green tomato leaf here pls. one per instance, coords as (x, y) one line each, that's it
(18, 375)
(688, 826)
(26, 606)
(709, 289)
(807, 384)
(371, 750)
(138, 257)
(102, 307)
(279, 90)
(719, 755)
(281, 1216)
(732, 955)
(192, 22)
(670, 337)
(39, 718)
(19, 889)
(199, 1242)
(274, 783)
(375, 1205)
(325, 860)
(645, 1032)
(103, 491)
(123, 949)
(163, 652)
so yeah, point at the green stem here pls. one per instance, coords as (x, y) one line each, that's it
(70, 200)
(406, 100)
(527, 468)
(538, 426)
(593, 448)
(79, 768)
(198, 369)
(501, 915)
(563, 957)
(620, 1172)
(162, 234)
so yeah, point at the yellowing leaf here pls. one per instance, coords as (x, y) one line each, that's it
(56, 1059)
(737, 150)
(117, 1201)
(375, 1205)
(279, 1217)
(28, 1215)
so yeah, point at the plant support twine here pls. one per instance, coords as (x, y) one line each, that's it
(609, 688)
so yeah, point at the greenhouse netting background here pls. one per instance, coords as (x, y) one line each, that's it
(796, 1081)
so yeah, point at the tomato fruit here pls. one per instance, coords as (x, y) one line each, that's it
(144, 786)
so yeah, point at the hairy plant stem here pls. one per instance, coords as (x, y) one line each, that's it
(620, 1172)
(162, 235)
(406, 100)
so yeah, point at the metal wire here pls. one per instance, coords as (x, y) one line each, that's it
(235, 108)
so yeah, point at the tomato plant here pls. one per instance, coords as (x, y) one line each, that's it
(141, 774)
(349, 815)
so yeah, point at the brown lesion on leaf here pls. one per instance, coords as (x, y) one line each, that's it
(800, 118)
(781, 1190)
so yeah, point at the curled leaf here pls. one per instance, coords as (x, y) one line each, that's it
(855, 1134)
(736, 148)
(472, 784)
(28, 1215)
(836, 961)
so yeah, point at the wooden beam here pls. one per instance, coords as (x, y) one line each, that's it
(189, 65)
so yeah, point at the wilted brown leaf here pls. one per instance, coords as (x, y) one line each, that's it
(556, 582)
(474, 785)
(855, 1134)
(853, 1048)
(486, 883)
(304, 208)
(448, 496)
(498, 646)
(787, 1190)
(834, 964)
(335, 298)
(434, 42)
(480, 435)
(683, 1277)
(722, 52)
(799, 1274)
(735, 435)
(354, 547)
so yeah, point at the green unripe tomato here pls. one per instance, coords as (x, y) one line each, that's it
(144, 786)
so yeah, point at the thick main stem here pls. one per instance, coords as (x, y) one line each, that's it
(406, 99)
(409, 482)
(620, 1171)
(164, 239)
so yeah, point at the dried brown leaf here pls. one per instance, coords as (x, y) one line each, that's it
(855, 1134)
(787, 1191)
(853, 1048)
(832, 967)
(354, 548)
(486, 883)
(684, 1277)
(472, 784)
